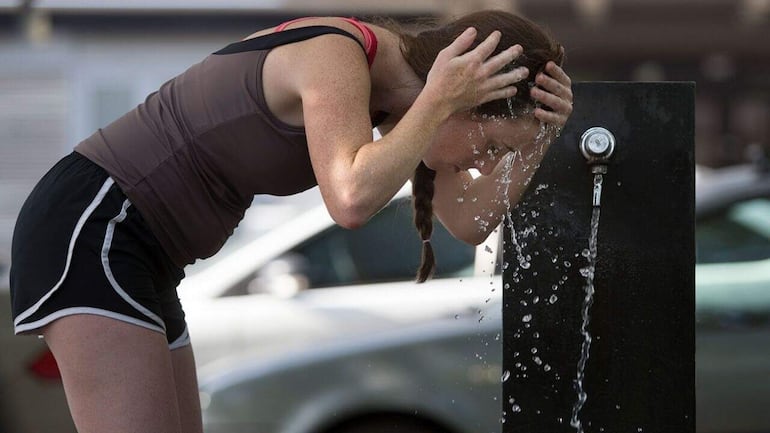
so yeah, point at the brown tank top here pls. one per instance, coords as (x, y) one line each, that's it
(194, 154)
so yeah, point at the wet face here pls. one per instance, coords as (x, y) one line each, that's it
(472, 141)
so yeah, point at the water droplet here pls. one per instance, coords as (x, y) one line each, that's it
(516, 408)
(567, 264)
(534, 350)
(537, 360)
(488, 249)
(457, 316)
(526, 318)
(546, 368)
(536, 300)
(553, 299)
(506, 376)
(460, 199)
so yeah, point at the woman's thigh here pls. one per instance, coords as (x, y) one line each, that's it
(188, 397)
(118, 377)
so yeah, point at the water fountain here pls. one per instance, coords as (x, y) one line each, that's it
(599, 336)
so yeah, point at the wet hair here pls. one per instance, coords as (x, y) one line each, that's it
(420, 50)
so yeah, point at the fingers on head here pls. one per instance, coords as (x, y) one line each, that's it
(487, 46)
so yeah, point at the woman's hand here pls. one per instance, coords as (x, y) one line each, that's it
(463, 80)
(554, 90)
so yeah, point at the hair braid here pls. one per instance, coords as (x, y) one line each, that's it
(422, 193)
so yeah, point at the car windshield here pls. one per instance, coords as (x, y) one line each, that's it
(387, 248)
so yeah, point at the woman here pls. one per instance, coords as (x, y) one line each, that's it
(101, 242)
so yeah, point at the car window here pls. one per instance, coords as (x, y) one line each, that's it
(387, 248)
(739, 233)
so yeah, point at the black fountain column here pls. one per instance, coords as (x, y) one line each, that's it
(639, 376)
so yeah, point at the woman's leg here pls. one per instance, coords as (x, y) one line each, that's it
(187, 389)
(118, 377)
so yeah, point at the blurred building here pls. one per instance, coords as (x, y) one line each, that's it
(68, 67)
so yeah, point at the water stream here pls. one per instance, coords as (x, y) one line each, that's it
(588, 273)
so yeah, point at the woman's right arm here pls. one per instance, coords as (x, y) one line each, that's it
(356, 175)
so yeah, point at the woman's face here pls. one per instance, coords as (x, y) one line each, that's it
(472, 141)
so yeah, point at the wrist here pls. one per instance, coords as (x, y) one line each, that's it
(435, 106)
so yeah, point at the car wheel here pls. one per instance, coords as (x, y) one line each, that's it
(388, 424)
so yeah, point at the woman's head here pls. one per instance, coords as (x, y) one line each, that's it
(497, 124)
(420, 50)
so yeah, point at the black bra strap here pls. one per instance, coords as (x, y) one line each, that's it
(272, 40)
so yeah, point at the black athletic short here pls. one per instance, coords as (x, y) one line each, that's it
(80, 247)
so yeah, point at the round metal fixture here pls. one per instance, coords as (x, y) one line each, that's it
(597, 144)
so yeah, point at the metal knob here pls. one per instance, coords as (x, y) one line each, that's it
(597, 145)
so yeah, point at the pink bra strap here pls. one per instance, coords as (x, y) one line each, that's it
(370, 39)
(282, 26)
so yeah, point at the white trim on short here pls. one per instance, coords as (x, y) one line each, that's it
(85, 310)
(75, 233)
(182, 341)
(108, 271)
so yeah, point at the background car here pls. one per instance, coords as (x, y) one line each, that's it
(444, 375)
(732, 277)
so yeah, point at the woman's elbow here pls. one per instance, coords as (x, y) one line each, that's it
(348, 221)
(470, 236)
(349, 213)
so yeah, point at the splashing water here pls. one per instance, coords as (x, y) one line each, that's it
(588, 273)
(506, 181)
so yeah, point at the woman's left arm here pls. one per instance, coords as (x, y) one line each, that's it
(471, 208)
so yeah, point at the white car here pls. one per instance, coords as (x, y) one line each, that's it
(309, 280)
